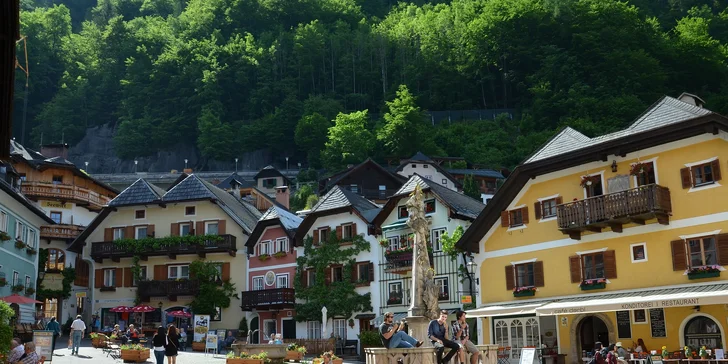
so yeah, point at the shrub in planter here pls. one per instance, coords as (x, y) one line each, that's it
(295, 352)
(245, 358)
(198, 346)
(4, 236)
(134, 353)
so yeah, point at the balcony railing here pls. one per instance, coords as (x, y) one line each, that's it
(168, 288)
(615, 209)
(401, 262)
(266, 299)
(73, 193)
(60, 231)
(110, 250)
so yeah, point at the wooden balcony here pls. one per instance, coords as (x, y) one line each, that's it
(613, 210)
(268, 299)
(110, 250)
(65, 193)
(60, 232)
(168, 288)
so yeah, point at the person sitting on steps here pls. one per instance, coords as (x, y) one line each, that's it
(437, 332)
(392, 335)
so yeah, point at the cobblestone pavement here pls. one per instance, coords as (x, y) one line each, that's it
(91, 355)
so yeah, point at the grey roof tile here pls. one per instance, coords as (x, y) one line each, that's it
(246, 213)
(191, 188)
(338, 198)
(462, 204)
(242, 182)
(288, 220)
(139, 193)
(419, 156)
(477, 172)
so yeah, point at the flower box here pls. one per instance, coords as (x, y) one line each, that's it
(701, 275)
(198, 346)
(589, 287)
(31, 251)
(243, 361)
(524, 293)
(294, 355)
(19, 244)
(3, 282)
(136, 356)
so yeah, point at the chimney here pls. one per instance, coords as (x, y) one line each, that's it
(283, 196)
(55, 150)
(691, 99)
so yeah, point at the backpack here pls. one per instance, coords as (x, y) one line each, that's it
(597, 358)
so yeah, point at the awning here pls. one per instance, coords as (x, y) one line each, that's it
(397, 317)
(677, 296)
(365, 316)
(395, 226)
(520, 308)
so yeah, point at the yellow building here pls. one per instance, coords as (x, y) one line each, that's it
(613, 239)
(190, 208)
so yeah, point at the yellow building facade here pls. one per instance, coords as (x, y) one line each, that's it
(611, 239)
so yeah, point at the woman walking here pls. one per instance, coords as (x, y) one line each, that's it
(171, 345)
(159, 341)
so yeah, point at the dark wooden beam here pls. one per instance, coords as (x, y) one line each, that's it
(172, 256)
(663, 219)
(115, 259)
(616, 227)
(576, 235)
(594, 229)
(637, 221)
(201, 254)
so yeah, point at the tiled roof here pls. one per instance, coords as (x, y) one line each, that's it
(139, 193)
(333, 180)
(242, 182)
(246, 213)
(419, 156)
(462, 204)
(477, 172)
(338, 198)
(288, 220)
(191, 188)
(59, 160)
(666, 111)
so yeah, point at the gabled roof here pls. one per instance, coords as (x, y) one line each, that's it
(191, 188)
(421, 158)
(269, 172)
(276, 215)
(462, 206)
(139, 193)
(227, 182)
(666, 121)
(333, 180)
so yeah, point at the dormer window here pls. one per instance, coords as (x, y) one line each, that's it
(402, 212)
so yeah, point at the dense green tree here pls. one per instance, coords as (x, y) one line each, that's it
(349, 140)
(470, 187)
(404, 131)
(311, 135)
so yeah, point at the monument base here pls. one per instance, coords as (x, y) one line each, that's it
(417, 326)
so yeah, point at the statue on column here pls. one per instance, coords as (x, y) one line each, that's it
(424, 292)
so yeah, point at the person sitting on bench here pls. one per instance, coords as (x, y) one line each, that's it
(392, 335)
(436, 332)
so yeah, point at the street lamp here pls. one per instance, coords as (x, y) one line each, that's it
(236, 165)
(299, 166)
(472, 269)
(286, 163)
(86, 163)
(136, 163)
(185, 163)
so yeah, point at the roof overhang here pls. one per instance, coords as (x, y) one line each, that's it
(310, 219)
(260, 229)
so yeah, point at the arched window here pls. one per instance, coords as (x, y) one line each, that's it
(532, 333)
(703, 331)
(56, 260)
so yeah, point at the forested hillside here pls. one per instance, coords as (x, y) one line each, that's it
(303, 77)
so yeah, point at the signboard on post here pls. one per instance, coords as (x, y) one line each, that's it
(43, 341)
(202, 325)
(466, 299)
(528, 356)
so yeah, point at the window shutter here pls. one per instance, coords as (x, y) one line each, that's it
(575, 268)
(221, 227)
(174, 229)
(685, 177)
(679, 257)
(108, 234)
(355, 272)
(225, 271)
(99, 278)
(315, 237)
(304, 278)
(160, 272)
(150, 230)
(716, 170)
(524, 213)
(353, 229)
(537, 209)
(199, 228)
(371, 272)
(559, 200)
(192, 227)
(610, 264)
(538, 278)
(129, 232)
(119, 277)
(722, 249)
(505, 217)
(128, 277)
(327, 276)
(510, 278)
(339, 232)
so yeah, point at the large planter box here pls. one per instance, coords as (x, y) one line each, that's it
(525, 293)
(243, 361)
(589, 287)
(701, 275)
(198, 346)
(98, 342)
(294, 355)
(136, 356)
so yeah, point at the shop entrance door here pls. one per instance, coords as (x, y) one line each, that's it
(516, 333)
(591, 330)
(703, 331)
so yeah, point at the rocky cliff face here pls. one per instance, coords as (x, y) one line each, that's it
(97, 148)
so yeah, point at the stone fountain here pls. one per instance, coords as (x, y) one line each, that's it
(276, 352)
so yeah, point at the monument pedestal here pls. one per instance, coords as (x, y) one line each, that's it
(417, 326)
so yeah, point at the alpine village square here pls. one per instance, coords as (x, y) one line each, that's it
(363, 181)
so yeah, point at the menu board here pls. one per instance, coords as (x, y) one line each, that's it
(528, 356)
(43, 341)
(624, 326)
(657, 322)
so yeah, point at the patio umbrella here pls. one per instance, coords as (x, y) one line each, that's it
(143, 309)
(179, 313)
(16, 298)
(121, 309)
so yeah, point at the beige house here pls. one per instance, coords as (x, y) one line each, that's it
(190, 208)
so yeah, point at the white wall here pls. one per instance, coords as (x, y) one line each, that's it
(70, 212)
(427, 171)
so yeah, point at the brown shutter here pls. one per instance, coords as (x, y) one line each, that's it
(524, 213)
(575, 268)
(174, 229)
(316, 237)
(510, 278)
(119, 277)
(538, 278)
(128, 277)
(99, 278)
(505, 217)
(192, 227)
(200, 228)
(150, 230)
(221, 227)
(722, 241)
(108, 234)
(685, 177)
(679, 257)
(537, 209)
(338, 232)
(160, 272)
(610, 264)
(716, 170)
(371, 272)
(225, 271)
(353, 229)
(355, 272)
(129, 232)
(559, 200)
(327, 275)
(304, 278)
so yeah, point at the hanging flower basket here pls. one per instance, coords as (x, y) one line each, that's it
(588, 180)
(384, 243)
(639, 168)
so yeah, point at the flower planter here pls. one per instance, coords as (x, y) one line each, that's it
(294, 355)
(589, 287)
(99, 342)
(136, 356)
(525, 293)
(338, 361)
(701, 275)
(243, 361)
(198, 346)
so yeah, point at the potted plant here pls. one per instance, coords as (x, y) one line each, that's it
(295, 352)
(368, 339)
(708, 271)
(243, 329)
(17, 288)
(29, 291)
(198, 345)
(334, 359)
(703, 353)
(95, 339)
(687, 352)
(245, 358)
(665, 353)
(19, 244)
(384, 243)
(135, 353)
(591, 284)
(524, 291)
(588, 180)
(638, 168)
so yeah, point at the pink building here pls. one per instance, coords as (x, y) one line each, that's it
(270, 297)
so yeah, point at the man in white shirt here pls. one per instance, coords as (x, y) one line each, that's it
(17, 350)
(77, 330)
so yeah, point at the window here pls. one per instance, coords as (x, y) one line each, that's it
(141, 232)
(282, 281)
(269, 182)
(178, 271)
(425, 166)
(382, 191)
(524, 275)
(50, 308)
(281, 245)
(211, 228)
(639, 252)
(218, 276)
(647, 174)
(142, 275)
(703, 331)
(548, 208)
(56, 260)
(639, 316)
(257, 283)
(19, 230)
(16, 278)
(395, 294)
(402, 212)
(140, 214)
(189, 210)
(4, 221)
(393, 242)
(264, 247)
(429, 206)
(702, 251)
(185, 229)
(311, 278)
(443, 288)
(444, 181)
(324, 234)
(56, 217)
(354, 188)
(57, 180)
(118, 233)
(27, 282)
(340, 329)
(314, 329)
(703, 174)
(428, 176)
(23, 177)
(363, 272)
(414, 166)
(347, 231)
(337, 274)
(435, 236)
(516, 217)
(30, 240)
(593, 265)
(110, 277)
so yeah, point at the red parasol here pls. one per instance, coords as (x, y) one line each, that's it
(143, 308)
(121, 309)
(179, 314)
(16, 298)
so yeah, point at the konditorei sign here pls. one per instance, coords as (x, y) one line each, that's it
(568, 308)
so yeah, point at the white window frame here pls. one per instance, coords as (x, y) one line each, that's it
(634, 320)
(139, 228)
(281, 245)
(30, 238)
(27, 281)
(264, 247)
(194, 213)
(310, 282)
(143, 268)
(16, 277)
(257, 287)
(4, 221)
(324, 233)
(401, 291)
(393, 242)
(179, 271)
(141, 218)
(210, 223)
(631, 252)
(601, 177)
(351, 231)
(435, 235)
(109, 277)
(654, 169)
(440, 287)
(118, 233)
(19, 227)
(339, 328)
(434, 202)
(444, 181)
(281, 277)
(313, 329)
(182, 225)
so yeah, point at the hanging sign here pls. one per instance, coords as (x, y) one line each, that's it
(202, 325)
